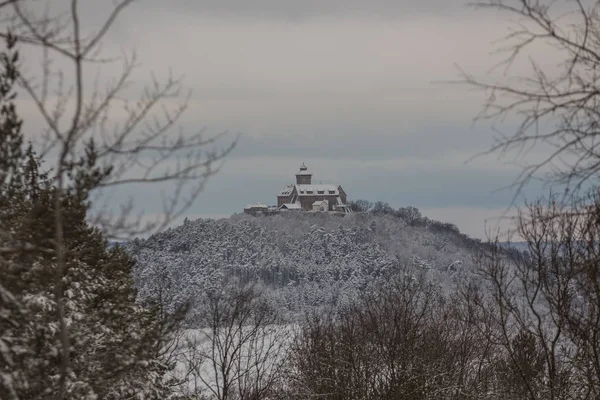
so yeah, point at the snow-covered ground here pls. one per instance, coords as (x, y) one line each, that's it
(240, 359)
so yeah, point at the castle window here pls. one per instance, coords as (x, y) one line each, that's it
(332, 192)
(309, 191)
(321, 191)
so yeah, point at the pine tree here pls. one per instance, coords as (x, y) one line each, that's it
(115, 343)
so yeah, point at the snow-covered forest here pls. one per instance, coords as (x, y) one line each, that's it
(306, 260)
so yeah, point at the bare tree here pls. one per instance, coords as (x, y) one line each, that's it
(540, 310)
(142, 148)
(400, 341)
(556, 106)
(239, 350)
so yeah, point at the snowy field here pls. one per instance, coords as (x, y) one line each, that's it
(235, 359)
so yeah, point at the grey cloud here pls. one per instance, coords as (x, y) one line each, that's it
(367, 141)
(294, 9)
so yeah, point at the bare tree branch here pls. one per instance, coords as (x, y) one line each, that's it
(559, 110)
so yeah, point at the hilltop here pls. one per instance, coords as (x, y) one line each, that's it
(307, 260)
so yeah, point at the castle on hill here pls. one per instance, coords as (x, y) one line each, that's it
(305, 196)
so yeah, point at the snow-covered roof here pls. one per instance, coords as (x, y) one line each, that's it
(291, 206)
(303, 170)
(319, 202)
(286, 191)
(314, 190)
(310, 190)
(257, 205)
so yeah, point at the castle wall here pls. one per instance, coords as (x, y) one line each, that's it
(281, 200)
(307, 201)
(303, 179)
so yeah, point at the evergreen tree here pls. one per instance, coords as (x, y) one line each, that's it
(114, 343)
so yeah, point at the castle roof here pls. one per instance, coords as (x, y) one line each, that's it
(286, 191)
(303, 171)
(257, 205)
(311, 190)
(291, 206)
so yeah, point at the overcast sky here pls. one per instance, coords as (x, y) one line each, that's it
(353, 88)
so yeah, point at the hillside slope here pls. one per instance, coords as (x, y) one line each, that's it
(307, 260)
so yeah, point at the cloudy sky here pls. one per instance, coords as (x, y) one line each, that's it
(355, 89)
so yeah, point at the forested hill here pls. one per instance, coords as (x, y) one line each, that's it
(307, 259)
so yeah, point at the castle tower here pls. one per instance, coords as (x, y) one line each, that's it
(303, 177)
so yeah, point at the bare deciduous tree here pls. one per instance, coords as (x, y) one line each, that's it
(540, 314)
(239, 350)
(400, 341)
(139, 147)
(555, 106)
(540, 310)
